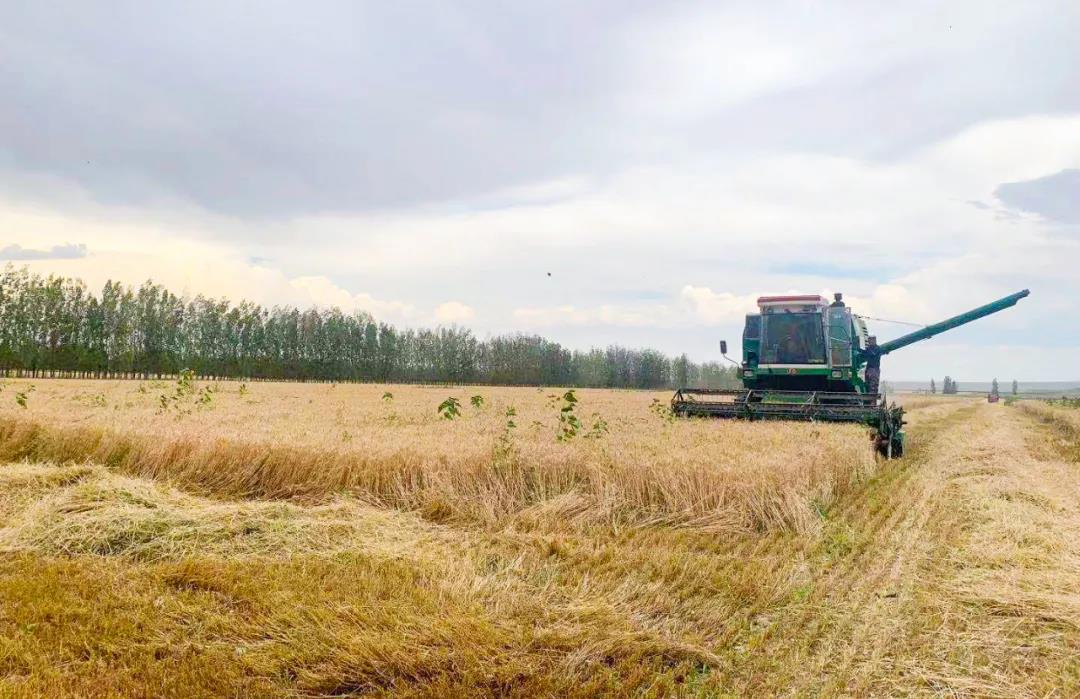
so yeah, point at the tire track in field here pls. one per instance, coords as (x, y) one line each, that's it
(956, 571)
(890, 523)
(781, 557)
(1004, 618)
(864, 570)
(911, 529)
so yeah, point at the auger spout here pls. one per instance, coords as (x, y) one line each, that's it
(950, 323)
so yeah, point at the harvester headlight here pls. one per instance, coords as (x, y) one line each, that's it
(837, 374)
(748, 372)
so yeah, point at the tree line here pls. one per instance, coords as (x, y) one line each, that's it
(55, 326)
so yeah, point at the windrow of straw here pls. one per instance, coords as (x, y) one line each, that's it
(1064, 419)
(76, 510)
(729, 476)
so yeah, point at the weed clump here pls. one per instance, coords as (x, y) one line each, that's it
(187, 396)
(21, 397)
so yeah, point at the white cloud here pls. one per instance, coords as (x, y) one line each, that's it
(132, 252)
(693, 61)
(323, 292)
(713, 307)
(546, 317)
(546, 191)
(56, 252)
(771, 209)
(897, 302)
(989, 153)
(453, 312)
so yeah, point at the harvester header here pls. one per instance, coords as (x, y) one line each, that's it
(804, 358)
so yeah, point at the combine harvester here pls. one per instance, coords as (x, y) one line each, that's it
(806, 359)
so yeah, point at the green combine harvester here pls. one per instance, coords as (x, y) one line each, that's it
(810, 360)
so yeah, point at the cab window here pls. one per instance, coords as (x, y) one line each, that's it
(794, 338)
(839, 337)
(752, 330)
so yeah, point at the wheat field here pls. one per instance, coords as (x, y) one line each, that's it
(629, 463)
(329, 540)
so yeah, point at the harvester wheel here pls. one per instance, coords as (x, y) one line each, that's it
(889, 435)
(889, 446)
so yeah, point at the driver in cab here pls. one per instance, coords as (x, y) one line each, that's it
(793, 349)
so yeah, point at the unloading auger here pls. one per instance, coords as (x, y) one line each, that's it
(810, 360)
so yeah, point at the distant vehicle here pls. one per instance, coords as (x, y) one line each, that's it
(806, 359)
(992, 398)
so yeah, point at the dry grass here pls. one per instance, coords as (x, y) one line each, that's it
(317, 441)
(1065, 419)
(89, 510)
(694, 558)
(1003, 618)
(917, 401)
(115, 584)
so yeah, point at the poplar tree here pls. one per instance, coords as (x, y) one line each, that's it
(54, 326)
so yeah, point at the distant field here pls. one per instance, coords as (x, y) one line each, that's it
(292, 539)
(1004, 384)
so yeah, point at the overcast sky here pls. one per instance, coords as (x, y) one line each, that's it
(664, 162)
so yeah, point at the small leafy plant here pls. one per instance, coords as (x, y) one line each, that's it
(662, 410)
(569, 423)
(599, 427)
(450, 408)
(477, 401)
(388, 398)
(22, 396)
(185, 384)
(186, 395)
(206, 395)
(504, 447)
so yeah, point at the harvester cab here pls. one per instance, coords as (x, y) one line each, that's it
(805, 358)
(803, 343)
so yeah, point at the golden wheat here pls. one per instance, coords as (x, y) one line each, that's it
(317, 540)
(316, 441)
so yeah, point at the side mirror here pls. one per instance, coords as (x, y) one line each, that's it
(723, 346)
